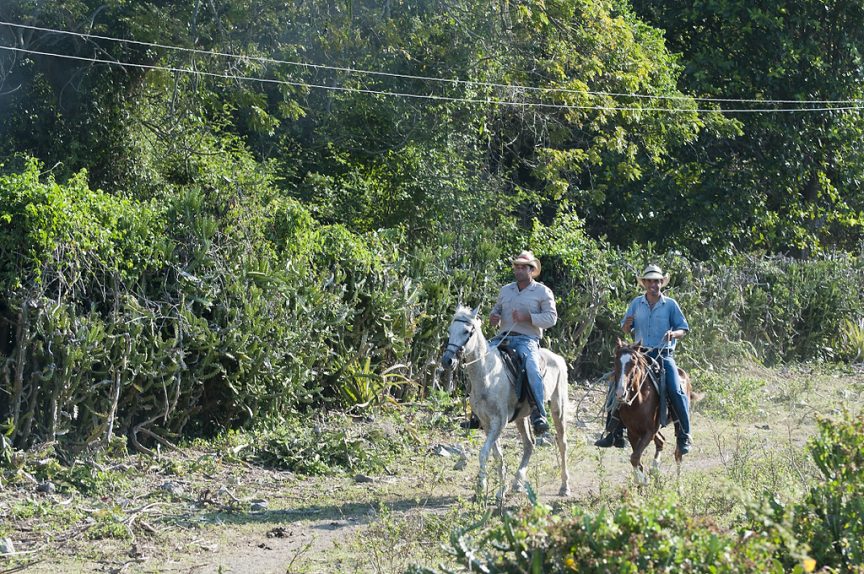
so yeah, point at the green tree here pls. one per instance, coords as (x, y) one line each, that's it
(792, 181)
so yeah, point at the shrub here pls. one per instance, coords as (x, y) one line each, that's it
(830, 517)
(315, 447)
(823, 530)
(646, 536)
(852, 341)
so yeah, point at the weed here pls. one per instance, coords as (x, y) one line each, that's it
(108, 529)
(315, 446)
(852, 340)
(49, 515)
(727, 395)
(793, 390)
(396, 540)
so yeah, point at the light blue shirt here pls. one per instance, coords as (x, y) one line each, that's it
(651, 324)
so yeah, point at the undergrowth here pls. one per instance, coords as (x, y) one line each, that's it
(820, 529)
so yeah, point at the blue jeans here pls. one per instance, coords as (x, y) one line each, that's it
(528, 350)
(677, 395)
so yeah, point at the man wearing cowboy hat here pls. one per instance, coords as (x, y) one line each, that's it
(523, 310)
(657, 322)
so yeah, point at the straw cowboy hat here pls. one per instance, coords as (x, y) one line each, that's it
(527, 258)
(653, 272)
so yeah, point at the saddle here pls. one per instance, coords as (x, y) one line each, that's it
(518, 374)
(655, 372)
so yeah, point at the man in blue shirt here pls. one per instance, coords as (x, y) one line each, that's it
(656, 322)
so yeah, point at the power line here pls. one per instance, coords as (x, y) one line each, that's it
(452, 81)
(486, 101)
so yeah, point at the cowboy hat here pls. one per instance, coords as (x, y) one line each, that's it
(653, 272)
(527, 258)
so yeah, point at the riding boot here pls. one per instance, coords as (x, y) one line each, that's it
(538, 412)
(614, 434)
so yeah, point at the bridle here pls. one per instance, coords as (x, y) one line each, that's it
(643, 360)
(457, 350)
(639, 360)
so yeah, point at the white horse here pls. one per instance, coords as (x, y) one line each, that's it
(494, 401)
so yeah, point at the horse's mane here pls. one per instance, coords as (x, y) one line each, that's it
(462, 310)
(464, 313)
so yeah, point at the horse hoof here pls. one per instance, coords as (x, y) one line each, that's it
(564, 491)
(518, 487)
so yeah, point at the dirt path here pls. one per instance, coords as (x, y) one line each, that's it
(241, 519)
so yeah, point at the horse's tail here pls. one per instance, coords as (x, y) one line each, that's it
(688, 385)
(561, 390)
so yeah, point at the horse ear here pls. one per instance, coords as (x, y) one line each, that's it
(475, 311)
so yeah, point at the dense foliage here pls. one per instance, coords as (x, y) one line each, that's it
(785, 180)
(245, 210)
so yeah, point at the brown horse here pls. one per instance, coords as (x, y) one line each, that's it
(639, 403)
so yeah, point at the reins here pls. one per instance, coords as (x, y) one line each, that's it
(646, 365)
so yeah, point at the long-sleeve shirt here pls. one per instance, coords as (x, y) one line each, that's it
(650, 324)
(536, 299)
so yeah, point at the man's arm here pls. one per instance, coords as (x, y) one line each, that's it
(548, 315)
(627, 323)
(678, 324)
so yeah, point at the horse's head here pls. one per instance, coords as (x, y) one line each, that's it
(464, 326)
(629, 368)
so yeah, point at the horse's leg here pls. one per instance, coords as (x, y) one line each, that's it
(659, 441)
(640, 442)
(502, 489)
(491, 440)
(678, 456)
(527, 450)
(559, 416)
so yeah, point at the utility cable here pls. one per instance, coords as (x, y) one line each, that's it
(267, 60)
(487, 101)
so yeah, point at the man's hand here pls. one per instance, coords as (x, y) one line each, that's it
(671, 334)
(521, 316)
(494, 320)
(628, 323)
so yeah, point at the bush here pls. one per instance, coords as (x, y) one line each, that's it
(317, 446)
(852, 341)
(830, 517)
(728, 396)
(646, 536)
(823, 530)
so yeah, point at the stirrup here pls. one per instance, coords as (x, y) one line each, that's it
(540, 426)
(472, 423)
